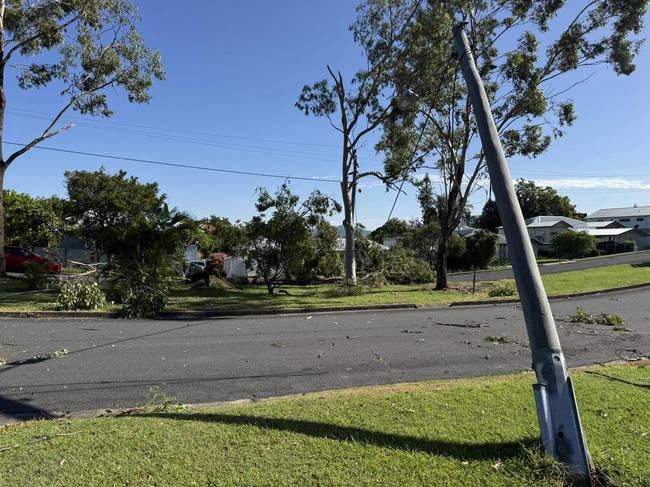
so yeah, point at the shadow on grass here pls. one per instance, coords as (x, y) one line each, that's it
(641, 264)
(464, 451)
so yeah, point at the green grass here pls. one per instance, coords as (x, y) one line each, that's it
(465, 432)
(197, 297)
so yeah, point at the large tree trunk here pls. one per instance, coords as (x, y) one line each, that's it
(3, 262)
(348, 226)
(350, 258)
(441, 262)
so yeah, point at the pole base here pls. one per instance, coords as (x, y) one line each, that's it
(558, 417)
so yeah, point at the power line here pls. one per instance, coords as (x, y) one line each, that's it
(175, 164)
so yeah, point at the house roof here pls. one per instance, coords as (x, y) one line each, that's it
(612, 223)
(629, 211)
(504, 241)
(550, 220)
(613, 232)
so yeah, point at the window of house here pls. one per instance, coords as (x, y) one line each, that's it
(639, 219)
(623, 219)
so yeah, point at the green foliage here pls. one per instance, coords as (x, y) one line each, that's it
(107, 206)
(369, 255)
(77, 295)
(283, 245)
(481, 249)
(534, 201)
(31, 222)
(574, 245)
(581, 316)
(144, 294)
(85, 46)
(36, 275)
(456, 251)
(402, 266)
(392, 228)
(502, 290)
(489, 218)
(217, 234)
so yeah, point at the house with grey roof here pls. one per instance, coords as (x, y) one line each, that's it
(630, 217)
(608, 232)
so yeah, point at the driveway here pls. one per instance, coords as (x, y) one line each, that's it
(641, 257)
(113, 363)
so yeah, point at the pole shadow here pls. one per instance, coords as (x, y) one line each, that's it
(463, 451)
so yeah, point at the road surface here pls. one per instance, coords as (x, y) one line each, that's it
(113, 363)
(642, 257)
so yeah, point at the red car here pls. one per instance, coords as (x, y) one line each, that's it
(17, 257)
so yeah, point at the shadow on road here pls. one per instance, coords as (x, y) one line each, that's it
(464, 451)
(21, 410)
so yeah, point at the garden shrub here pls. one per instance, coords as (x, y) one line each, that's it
(502, 290)
(373, 280)
(456, 250)
(214, 264)
(481, 249)
(36, 275)
(77, 295)
(145, 301)
(574, 245)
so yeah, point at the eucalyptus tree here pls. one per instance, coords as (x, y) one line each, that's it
(363, 102)
(80, 48)
(529, 54)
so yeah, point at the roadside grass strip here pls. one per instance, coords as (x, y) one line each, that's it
(459, 432)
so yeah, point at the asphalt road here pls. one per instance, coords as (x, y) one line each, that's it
(113, 363)
(576, 265)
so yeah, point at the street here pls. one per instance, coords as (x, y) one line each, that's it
(113, 363)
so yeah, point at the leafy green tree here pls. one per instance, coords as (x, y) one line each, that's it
(423, 240)
(574, 245)
(360, 104)
(218, 234)
(489, 218)
(456, 253)
(534, 200)
(31, 222)
(392, 228)
(481, 248)
(86, 48)
(278, 247)
(107, 206)
(523, 80)
(543, 200)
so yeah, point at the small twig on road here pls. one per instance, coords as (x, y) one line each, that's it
(459, 325)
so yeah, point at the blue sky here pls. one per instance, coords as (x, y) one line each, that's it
(234, 71)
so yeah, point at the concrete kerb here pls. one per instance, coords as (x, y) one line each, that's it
(193, 315)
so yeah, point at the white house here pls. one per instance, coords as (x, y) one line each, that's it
(630, 217)
(542, 229)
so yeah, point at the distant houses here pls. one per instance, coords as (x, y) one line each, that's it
(608, 232)
(629, 217)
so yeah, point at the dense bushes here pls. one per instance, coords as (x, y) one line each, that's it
(575, 245)
(75, 295)
(36, 275)
(477, 250)
(402, 266)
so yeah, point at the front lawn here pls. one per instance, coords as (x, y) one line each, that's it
(462, 432)
(197, 297)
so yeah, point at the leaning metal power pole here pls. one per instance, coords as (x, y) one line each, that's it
(557, 410)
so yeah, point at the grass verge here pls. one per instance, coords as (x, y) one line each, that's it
(462, 432)
(198, 297)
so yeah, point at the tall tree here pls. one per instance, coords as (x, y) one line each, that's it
(360, 102)
(277, 246)
(524, 78)
(84, 47)
(31, 221)
(535, 201)
(105, 207)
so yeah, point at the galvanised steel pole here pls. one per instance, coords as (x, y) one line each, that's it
(557, 410)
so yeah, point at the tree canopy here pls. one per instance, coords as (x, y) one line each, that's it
(31, 222)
